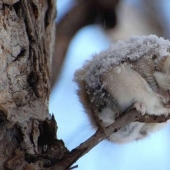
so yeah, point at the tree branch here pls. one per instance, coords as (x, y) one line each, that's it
(82, 14)
(154, 119)
(85, 147)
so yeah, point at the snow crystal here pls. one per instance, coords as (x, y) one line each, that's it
(131, 49)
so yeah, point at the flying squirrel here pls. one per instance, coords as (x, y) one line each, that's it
(143, 84)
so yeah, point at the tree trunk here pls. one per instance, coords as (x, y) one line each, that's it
(27, 130)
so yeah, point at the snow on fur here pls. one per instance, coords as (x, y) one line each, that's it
(131, 49)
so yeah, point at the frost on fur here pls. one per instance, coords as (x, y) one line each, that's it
(128, 73)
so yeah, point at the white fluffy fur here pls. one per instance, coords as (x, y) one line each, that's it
(132, 72)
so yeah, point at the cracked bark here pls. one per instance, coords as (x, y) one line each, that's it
(26, 127)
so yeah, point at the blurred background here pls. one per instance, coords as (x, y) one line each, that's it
(83, 29)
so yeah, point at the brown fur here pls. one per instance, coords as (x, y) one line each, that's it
(93, 102)
(82, 93)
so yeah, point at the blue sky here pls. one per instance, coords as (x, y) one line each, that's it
(152, 153)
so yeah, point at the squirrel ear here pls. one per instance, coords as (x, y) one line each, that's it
(162, 79)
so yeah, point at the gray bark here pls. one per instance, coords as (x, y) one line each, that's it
(27, 130)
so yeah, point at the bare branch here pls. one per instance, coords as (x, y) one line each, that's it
(85, 147)
(82, 14)
(154, 119)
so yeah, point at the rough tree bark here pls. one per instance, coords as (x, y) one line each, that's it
(26, 127)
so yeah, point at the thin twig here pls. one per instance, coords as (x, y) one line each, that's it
(154, 119)
(86, 146)
(73, 167)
